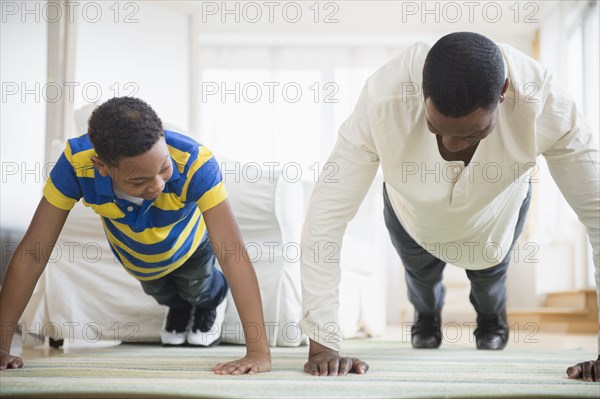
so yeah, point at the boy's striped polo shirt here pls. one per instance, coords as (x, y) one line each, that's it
(157, 237)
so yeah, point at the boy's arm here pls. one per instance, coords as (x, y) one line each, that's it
(25, 267)
(229, 249)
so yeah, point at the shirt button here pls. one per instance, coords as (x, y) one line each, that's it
(129, 208)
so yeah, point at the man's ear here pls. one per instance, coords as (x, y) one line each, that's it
(100, 165)
(504, 89)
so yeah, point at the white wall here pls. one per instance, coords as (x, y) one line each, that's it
(22, 116)
(147, 57)
(363, 20)
(143, 50)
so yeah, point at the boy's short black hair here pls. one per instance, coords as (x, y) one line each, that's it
(463, 71)
(123, 127)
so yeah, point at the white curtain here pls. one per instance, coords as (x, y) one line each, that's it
(283, 103)
(565, 253)
(280, 103)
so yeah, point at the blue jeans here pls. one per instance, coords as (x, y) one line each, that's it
(424, 271)
(197, 282)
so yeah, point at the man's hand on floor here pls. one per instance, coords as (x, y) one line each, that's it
(587, 371)
(323, 361)
(7, 361)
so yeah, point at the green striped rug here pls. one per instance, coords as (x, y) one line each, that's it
(397, 370)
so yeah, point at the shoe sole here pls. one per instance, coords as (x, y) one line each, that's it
(215, 343)
(171, 341)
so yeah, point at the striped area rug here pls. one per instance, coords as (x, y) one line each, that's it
(397, 371)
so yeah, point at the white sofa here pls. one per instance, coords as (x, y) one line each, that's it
(84, 293)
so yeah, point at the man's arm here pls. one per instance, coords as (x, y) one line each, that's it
(573, 163)
(229, 248)
(334, 202)
(25, 267)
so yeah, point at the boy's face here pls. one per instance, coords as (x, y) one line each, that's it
(143, 175)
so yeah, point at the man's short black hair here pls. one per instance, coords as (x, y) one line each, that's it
(463, 71)
(123, 127)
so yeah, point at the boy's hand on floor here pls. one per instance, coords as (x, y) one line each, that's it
(7, 361)
(587, 371)
(252, 363)
(323, 361)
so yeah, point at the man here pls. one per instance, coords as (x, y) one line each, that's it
(455, 134)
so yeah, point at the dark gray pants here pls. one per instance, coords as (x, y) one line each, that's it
(197, 282)
(424, 271)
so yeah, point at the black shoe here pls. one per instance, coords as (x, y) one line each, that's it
(204, 319)
(176, 326)
(426, 333)
(491, 332)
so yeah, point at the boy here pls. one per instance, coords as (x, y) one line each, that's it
(162, 203)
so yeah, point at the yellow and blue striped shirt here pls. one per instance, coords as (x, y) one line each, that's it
(157, 237)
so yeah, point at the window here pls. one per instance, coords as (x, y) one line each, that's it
(582, 79)
(590, 87)
(280, 103)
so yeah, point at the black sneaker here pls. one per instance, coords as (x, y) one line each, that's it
(206, 326)
(426, 333)
(491, 332)
(176, 326)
